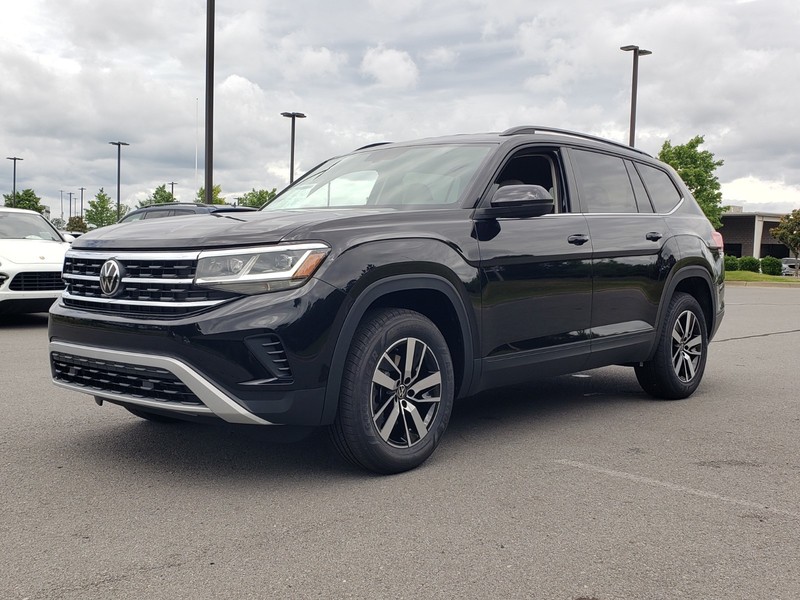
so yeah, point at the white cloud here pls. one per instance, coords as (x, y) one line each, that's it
(390, 68)
(440, 57)
(759, 195)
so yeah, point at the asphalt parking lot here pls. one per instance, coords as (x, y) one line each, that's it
(573, 487)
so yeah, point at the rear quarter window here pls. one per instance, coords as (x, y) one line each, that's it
(660, 187)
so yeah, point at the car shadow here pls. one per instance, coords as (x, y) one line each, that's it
(252, 455)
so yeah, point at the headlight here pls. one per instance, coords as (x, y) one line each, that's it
(259, 270)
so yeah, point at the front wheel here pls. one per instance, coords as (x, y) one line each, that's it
(680, 359)
(397, 392)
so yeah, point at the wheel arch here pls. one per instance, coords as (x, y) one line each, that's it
(432, 296)
(695, 281)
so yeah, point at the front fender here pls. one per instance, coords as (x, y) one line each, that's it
(400, 266)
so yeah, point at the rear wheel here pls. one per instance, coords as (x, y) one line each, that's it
(397, 392)
(680, 359)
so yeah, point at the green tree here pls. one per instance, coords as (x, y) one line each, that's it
(696, 167)
(159, 196)
(25, 199)
(77, 224)
(257, 198)
(216, 195)
(58, 223)
(788, 233)
(102, 211)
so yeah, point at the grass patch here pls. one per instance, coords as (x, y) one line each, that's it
(750, 276)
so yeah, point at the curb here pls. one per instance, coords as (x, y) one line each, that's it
(788, 284)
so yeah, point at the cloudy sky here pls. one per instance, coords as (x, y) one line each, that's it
(76, 74)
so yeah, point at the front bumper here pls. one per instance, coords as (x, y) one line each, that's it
(221, 363)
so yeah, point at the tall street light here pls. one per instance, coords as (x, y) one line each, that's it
(637, 52)
(292, 116)
(82, 190)
(210, 9)
(172, 189)
(70, 203)
(119, 146)
(14, 193)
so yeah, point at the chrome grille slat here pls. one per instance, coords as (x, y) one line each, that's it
(158, 285)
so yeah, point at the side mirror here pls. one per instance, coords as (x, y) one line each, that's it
(517, 201)
(68, 238)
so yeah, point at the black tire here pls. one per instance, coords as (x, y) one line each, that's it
(680, 359)
(397, 392)
(152, 416)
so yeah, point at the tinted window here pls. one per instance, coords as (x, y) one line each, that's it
(663, 192)
(132, 217)
(532, 169)
(603, 183)
(642, 199)
(156, 214)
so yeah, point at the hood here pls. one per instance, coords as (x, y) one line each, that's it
(218, 230)
(34, 251)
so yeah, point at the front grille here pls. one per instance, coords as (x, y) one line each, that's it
(37, 281)
(99, 376)
(157, 285)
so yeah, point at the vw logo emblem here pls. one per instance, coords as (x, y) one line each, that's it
(110, 277)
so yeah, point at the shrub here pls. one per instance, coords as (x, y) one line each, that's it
(731, 263)
(748, 263)
(770, 265)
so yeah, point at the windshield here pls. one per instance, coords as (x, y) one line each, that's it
(25, 226)
(417, 177)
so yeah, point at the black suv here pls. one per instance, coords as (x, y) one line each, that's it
(179, 209)
(388, 282)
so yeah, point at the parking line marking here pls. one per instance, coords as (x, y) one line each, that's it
(676, 488)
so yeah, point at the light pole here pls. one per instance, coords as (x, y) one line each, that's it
(292, 116)
(119, 146)
(81, 189)
(172, 189)
(210, 10)
(70, 203)
(14, 193)
(637, 52)
(62, 205)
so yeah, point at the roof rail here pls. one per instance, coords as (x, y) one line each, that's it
(372, 145)
(529, 129)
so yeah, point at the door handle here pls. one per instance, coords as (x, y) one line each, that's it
(653, 236)
(578, 239)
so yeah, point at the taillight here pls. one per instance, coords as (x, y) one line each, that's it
(717, 237)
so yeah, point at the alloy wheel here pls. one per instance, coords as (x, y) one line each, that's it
(406, 393)
(687, 346)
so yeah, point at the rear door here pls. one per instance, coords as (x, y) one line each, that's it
(629, 262)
